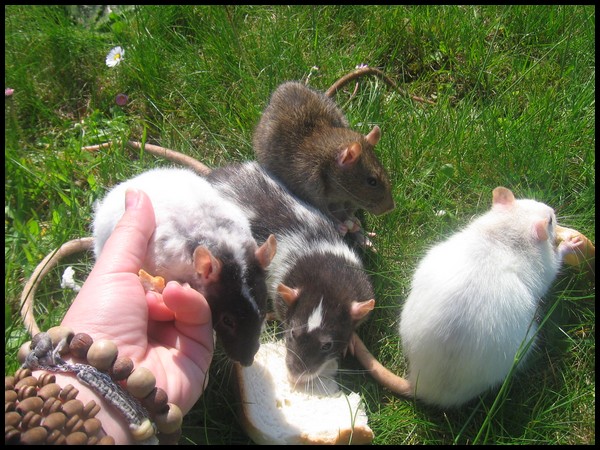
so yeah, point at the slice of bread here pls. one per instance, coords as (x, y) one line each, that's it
(273, 413)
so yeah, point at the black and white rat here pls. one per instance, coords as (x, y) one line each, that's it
(316, 281)
(205, 240)
(473, 302)
(304, 139)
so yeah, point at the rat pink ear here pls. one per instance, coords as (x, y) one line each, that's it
(288, 294)
(359, 310)
(349, 155)
(206, 264)
(266, 252)
(540, 229)
(374, 135)
(502, 196)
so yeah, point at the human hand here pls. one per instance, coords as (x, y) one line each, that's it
(170, 333)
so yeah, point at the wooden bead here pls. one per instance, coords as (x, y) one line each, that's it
(57, 334)
(31, 419)
(56, 437)
(106, 440)
(170, 421)
(92, 426)
(24, 350)
(46, 378)
(12, 418)
(80, 344)
(143, 431)
(54, 421)
(72, 407)
(141, 382)
(34, 436)
(122, 368)
(77, 438)
(74, 424)
(51, 405)
(9, 382)
(91, 409)
(22, 373)
(30, 404)
(102, 354)
(69, 392)
(12, 436)
(10, 396)
(9, 406)
(49, 390)
(26, 381)
(27, 391)
(156, 401)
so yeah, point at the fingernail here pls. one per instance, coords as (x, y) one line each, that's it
(132, 198)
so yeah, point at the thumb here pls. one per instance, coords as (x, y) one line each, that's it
(125, 249)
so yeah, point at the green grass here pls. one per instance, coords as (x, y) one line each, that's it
(514, 88)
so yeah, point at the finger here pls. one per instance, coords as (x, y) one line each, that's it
(126, 247)
(191, 310)
(157, 310)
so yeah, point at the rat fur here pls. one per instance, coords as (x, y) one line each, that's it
(317, 283)
(204, 240)
(304, 139)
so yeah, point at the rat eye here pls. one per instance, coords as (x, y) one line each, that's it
(372, 181)
(325, 347)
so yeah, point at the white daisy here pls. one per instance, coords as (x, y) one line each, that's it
(115, 56)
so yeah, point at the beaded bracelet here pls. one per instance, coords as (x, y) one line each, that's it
(38, 410)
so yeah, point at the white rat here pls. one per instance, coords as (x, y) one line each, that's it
(205, 240)
(473, 300)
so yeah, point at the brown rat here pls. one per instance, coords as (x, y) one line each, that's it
(304, 140)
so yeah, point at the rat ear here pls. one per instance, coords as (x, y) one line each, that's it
(540, 229)
(349, 155)
(266, 252)
(374, 135)
(359, 310)
(288, 294)
(206, 264)
(502, 196)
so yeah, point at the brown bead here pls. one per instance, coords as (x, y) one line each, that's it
(141, 382)
(31, 419)
(56, 437)
(143, 431)
(12, 436)
(49, 390)
(24, 350)
(46, 378)
(91, 409)
(9, 382)
(34, 436)
(73, 407)
(27, 391)
(92, 440)
(80, 344)
(122, 368)
(171, 421)
(106, 440)
(51, 405)
(57, 334)
(54, 421)
(92, 426)
(156, 401)
(10, 396)
(12, 418)
(69, 392)
(30, 404)
(102, 354)
(26, 381)
(74, 424)
(76, 438)
(9, 406)
(22, 373)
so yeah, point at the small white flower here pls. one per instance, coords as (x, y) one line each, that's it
(115, 56)
(68, 282)
(441, 213)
